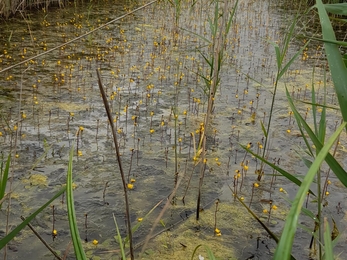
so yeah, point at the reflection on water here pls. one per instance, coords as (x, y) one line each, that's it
(146, 66)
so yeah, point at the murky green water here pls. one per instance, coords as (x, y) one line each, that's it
(144, 69)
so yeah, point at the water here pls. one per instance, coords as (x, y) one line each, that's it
(141, 63)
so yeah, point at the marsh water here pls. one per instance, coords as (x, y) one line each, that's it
(151, 70)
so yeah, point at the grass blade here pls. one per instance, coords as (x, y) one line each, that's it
(76, 241)
(331, 161)
(327, 241)
(3, 181)
(119, 239)
(14, 232)
(284, 248)
(336, 64)
(286, 174)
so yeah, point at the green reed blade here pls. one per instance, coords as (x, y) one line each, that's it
(3, 180)
(284, 248)
(327, 242)
(119, 239)
(76, 241)
(331, 161)
(286, 174)
(340, 9)
(336, 63)
(15, 231)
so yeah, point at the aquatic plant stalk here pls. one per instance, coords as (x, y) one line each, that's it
(114, 133)
(76, 240)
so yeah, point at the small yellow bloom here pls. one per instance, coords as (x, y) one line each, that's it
(95, 242)
(130, 186)
(265, 211)
(218, 234)
(217, 231)
(245, 167)
(119, 131)
(281, 190)
(327, 193)
(288, 131)
(81, 128)
(162, 123)
(72, 114)
(274, 207)
(151, 131)
(329, 182)
(152, 113)
(17, 155)
(139, 219)
(79, 153)
(132, 180)
(0, 133)
(15, 127)
(54, 232)
(185, 112)
(24, 115)
(256, 185)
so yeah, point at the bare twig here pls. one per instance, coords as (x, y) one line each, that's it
(42, 240)
(114, 133)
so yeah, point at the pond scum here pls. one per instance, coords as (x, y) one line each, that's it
(209, 142)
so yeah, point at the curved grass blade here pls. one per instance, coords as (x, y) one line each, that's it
(340, 8)
(76, 241)
(327, 241)
(286, 174)
(336, 63)
(284, 248)
(208, 250)
(119, 239)
(14, 232)
(331, 161)
(4, 177)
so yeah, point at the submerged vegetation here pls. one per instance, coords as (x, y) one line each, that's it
(215, 109)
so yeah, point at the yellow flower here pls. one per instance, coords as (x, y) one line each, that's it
(151, 131)
(95, 242)
(132, 180)
(327, 193)
(217, 231)
(265, 211)
(130, 186)
(81, 128)
(245, 167)
(15, 127)
(139, 219)
(218, 234)
(119, 131)
(17, 155)
(0, 133)
(54, 232)
(274, 207)
(72, 114)
(79, 153)
(281, 190)
(185, 112)
(256, 185)
(24, 115)
(152, 113)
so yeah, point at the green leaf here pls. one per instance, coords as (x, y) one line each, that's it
(14, 232)
(284, 248)
(331, 161)
(286, 174)
(327, 241)
(76, 241)
(340, 9)
(336, 64)
(3, 181)
(119, 238)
